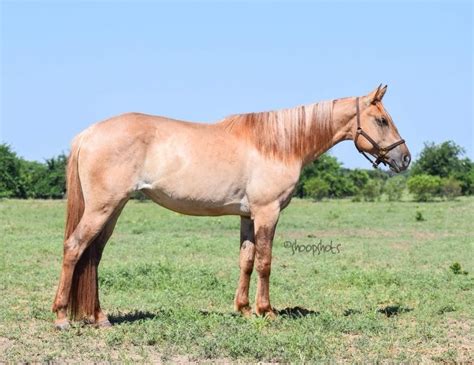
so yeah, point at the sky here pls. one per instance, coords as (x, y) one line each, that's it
(67, 65)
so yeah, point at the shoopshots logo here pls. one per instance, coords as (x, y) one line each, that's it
(314, 248)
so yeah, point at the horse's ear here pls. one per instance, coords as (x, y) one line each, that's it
(381, 93)
(376, 95)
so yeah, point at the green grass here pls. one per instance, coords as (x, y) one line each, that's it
(394, 292)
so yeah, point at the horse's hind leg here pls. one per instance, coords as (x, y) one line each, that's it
(75, 266)
(247, 255)
(100, 318)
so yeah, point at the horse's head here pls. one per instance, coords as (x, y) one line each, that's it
(377, 135)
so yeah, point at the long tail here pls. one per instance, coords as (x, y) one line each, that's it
(83, 297)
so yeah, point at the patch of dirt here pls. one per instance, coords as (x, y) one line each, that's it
(5, 344)
(461, 338)
(352, 352)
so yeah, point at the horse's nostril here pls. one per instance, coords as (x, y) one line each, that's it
(406, 159)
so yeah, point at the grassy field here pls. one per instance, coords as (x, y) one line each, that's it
(168, 281)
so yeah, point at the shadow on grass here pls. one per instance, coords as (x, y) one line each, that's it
(296, 312)
(393, 310)
(350, 312)
(222, 314)
(131, 317)
(289, 312)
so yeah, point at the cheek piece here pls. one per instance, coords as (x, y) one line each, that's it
(380, 152)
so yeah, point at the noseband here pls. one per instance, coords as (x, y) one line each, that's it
(380, 152)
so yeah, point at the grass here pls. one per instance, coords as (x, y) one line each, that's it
(167, 282)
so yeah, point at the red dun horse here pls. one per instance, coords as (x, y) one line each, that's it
(246, 165)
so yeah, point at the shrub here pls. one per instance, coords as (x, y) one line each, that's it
(356, 198)
(394, 188)
(316, 188)
(446, 160)
(372, 190)
(419, 216)
(359, 178)
(10, 169)
(424, 187)
(450, 188)
(326, 168)
(467, 178)
(442, 159)
(457, 269)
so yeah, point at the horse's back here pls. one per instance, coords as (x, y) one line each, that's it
(189, 167)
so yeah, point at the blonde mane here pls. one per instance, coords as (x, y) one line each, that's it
(285, 134)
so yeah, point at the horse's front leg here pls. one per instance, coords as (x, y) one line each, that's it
(247, 255)
(265, 223)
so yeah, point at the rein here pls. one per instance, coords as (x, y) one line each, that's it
(380, 152)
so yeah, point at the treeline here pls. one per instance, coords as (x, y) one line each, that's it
(24, 179)
(441, 171)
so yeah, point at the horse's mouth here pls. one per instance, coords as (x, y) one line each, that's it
(392, 164)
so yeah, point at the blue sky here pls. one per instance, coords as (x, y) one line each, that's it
(67, 65)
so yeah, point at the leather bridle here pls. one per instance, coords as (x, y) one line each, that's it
(380, 152)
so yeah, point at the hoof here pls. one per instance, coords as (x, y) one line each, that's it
(62, 325)
(245, 311)
(270, 315)
(103, 324)
(267, 314)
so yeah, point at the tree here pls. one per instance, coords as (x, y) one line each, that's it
(450, 188)
(359, 178)
(22, 179)
(424, 187)
(10, 166)
(316, 188)
(328, 169)
(372, 190)
(394, 187)
(445, 160)
(50, 182)
(438, 160)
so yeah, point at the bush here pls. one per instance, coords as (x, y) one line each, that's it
(359, 178)
(450, 188)
(442, 159)
(316, 188)
(446, 160)
(10, 167)
(419, 216)
(456, 268)
(424, 187)
(372, 190)
(30, 179)
(466, 178)
(328, 169)
(394, 188)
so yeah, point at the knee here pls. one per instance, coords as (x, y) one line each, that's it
(264, 267)
(246, 267)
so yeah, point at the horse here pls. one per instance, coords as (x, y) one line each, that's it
(246, 165)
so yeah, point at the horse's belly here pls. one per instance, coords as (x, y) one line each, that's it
(190, 205)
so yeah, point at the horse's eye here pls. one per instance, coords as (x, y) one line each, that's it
(382, 122)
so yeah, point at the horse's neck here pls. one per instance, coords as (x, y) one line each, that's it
(341, 129)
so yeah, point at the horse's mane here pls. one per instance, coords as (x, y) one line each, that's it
(285, 134)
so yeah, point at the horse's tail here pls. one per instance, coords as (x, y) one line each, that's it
(83, 297)
(75, 199)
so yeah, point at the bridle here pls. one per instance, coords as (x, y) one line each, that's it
(380, 152)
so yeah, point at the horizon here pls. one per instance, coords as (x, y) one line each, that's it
(67, 66)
